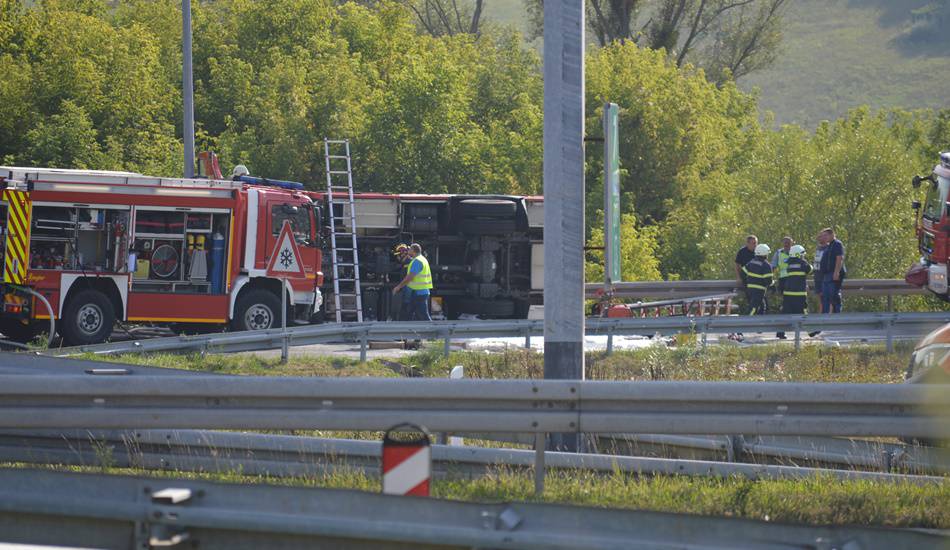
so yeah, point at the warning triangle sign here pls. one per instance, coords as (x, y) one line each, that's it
(285, 261)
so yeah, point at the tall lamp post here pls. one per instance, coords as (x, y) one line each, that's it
(564, 197)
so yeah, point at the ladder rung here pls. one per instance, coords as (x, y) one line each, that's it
(338, 156)
(338, 172)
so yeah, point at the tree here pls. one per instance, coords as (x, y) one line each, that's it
(66, 140)
(448, 17)
(728, 38)
(638, 251)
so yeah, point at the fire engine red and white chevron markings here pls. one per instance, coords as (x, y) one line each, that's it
(18, 236)
(406, 471)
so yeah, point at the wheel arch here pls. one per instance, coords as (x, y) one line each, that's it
(105, 285)
(245, 284)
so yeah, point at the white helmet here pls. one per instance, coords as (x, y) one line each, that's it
(762, 250)
(240, 170)
(796, 251)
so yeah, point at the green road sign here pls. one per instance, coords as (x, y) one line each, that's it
(611, 194)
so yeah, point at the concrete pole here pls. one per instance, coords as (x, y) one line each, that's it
(188, 90)
(564, 197)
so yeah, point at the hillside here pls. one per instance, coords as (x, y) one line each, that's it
(839, 54)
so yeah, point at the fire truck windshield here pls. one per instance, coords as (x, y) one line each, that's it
(936, 198)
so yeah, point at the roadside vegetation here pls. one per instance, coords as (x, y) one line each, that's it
(820, 501)
(766, 363)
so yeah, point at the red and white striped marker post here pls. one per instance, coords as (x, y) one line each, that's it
(407, 461)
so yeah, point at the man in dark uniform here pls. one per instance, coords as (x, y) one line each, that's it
(745, 255)
(401, 252)
(757, 276)
(795, 296)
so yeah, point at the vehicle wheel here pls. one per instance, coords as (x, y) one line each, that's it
(490, 308)
(256, 310)
(487, 227)
(487, 208)
(88, 318)
(15, 331)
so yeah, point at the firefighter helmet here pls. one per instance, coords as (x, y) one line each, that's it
(762, 250)
(796, 251)
(400, 249)
(240, 170)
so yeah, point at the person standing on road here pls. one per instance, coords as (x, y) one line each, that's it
(757, 276)
(745, 255)
(401, 252)
(819, 251)
(833, 271)
(419, 280)
(795, 296)
(780, 261)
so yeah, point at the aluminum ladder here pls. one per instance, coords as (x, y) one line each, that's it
(347, 296)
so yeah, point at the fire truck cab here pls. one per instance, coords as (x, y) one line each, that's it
(105, 246)
(933, 230)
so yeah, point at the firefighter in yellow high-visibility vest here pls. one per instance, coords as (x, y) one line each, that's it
(419, 281)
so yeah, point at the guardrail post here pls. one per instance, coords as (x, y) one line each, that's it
(446, 348)
(610, 340)
(539, 444)
(890, 335)
(890, 302)
(798, 335)
(364, 344)
(527, 339)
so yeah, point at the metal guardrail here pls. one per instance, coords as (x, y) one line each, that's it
(289, 456)
(513, 406)
(126, 512)
(893, 325)
(687, 289)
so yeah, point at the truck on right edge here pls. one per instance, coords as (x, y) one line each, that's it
(933, 230)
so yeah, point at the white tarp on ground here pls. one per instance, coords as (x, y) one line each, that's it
(591, 343)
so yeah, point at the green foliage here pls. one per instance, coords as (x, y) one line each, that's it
(638, 248)
(851, 175)
(675, 127)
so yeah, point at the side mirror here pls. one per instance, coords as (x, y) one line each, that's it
(916, 181)
(915, 205)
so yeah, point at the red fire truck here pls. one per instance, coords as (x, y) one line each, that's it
(102, 247)
(933, 230)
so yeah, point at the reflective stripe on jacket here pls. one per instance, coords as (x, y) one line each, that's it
(757, 274)
(796, 280)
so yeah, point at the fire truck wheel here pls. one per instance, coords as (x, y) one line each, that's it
(14, 330)
(87, 318)
(487, 208)
(256, 310)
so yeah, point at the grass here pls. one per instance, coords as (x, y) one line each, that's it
(818, 500)
(766, 363)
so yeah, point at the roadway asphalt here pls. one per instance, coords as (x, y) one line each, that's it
(23, 363)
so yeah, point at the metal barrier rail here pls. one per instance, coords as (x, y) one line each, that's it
(892, 324)
(289, 456)
(513, 406)
(89, 510)
(685, 289)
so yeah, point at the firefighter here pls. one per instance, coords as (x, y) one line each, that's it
(795, 296)
(757, 276)
(401, 252)
(419, 280)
